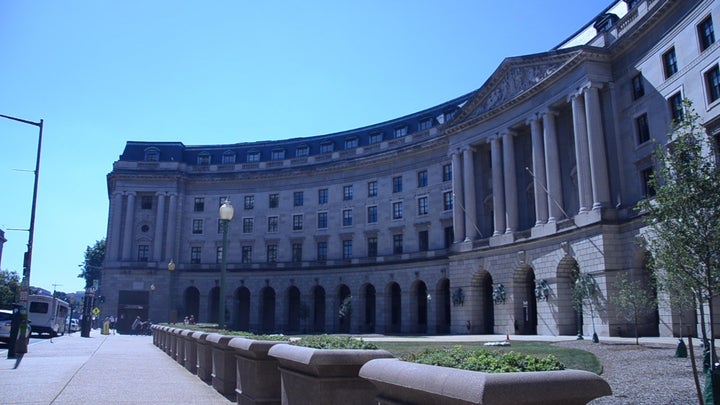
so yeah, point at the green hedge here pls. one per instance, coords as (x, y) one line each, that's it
(334, 342)
(485, 360)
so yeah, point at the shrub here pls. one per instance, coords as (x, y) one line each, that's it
(485, 360)
(334, 342)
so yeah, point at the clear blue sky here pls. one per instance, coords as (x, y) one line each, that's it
(101, 73)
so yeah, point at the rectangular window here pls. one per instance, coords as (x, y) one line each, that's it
(706, 33)
(397, 184)
(676, 107)
(347, 217)
(375, 138)
(272, 224)
(195, 254)
(670, 63)
(297, 222)
(643, 129)
(400, 132)
(197, 226)
(447, 201)
(249, 202)
(323, 196)
(247, 254)
(425, 124)
(422, 206)
(274, 200)
(297, 252)
(372, 188)
(326, 147)
(638, 88)
(397, 208)
(645, 176)
(220, 225)
(322, 251)
(146, 202)
(322, 220)
(397, 244)
(277, 154)
(351, 143)
(203, 159)
(302, 151)
(372, 246)
(199, 204)
(347, 193)
(272, 253)
(423, 241)
(347, 249)
(248, 225)
(253, 157)
(218, 255)
(298, 198)
(447, 172)
(228, 158)
(712, 81)
(143, 252)
(372, 214)
(422, 178)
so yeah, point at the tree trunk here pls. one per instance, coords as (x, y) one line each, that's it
(698, 389)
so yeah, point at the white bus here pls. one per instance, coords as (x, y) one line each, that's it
(47, 314)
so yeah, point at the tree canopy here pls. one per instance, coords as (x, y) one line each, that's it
(91, 266)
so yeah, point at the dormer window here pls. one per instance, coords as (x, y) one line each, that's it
(449, 115)
(228, 157)
(302, 151)
(425, 124)
(351, 143)
(326, 147)
(203, 158)
(377, 137)
(152, 155)
(605, 22)
(401, 131)
(253, 157)
(278, 154)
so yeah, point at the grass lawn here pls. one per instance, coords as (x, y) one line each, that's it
(571, 358)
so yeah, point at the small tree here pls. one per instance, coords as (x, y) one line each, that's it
(586, 296)
(9, 288)
(91, 266)
(634, 302)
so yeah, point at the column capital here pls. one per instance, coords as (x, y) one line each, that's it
(132, 193)
(532, 118)
(590, 84)
(548, 111)
(161, 193)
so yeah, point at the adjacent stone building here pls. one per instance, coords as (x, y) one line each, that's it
(469, 217)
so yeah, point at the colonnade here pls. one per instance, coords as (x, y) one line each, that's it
(123, 206)
(593, 185)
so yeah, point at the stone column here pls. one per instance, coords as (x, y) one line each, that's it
(552, 163)
(511, 197)
(598, 155)
(171, 229)
(469, 186)
(458, 197)
(159, 225)
(538, 150)
(498, 186)
(582, 158)
(129, 225)
(115, 225)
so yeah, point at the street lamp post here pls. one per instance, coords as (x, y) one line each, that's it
(226, 215)
(21, 328)
(173, 310)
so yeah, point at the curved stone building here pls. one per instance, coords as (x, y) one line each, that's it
(469, 217)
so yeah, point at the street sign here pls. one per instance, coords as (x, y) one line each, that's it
(96, 311)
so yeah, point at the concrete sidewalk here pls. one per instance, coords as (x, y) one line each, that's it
(101, 369)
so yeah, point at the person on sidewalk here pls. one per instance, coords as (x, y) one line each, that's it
(137, 325)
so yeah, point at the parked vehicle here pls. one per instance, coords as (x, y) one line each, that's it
(5, 325)
(48, 314)
(74, 325)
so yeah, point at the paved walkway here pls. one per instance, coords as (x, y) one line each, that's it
(101, 369)
(126, 369)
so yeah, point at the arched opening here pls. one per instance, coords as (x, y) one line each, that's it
(483, 306)
(394, 308)
(268, 310)
(566, 317)
(318, 309)
(344, 313)
(525, 302)
(242, 310)
(370, 307)
(214, 306)
(419, 303)
(293, 310)
(442, 306)
(191, 303)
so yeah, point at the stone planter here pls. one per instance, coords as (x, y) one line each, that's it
(258, 376)
(322, 376)
(190, 351)
(223, 364)
(203, 355)
(180, 346)
(403, 382)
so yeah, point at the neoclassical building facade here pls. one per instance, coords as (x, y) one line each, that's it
(473, 216)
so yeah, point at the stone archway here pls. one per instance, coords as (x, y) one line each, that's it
(393, 305)
(242, 309)
(482, 311)
(524, 301)
(442, 306)
(419, 307)
(369, 305)
(318, 315)
(294, 306)
(267, 310)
